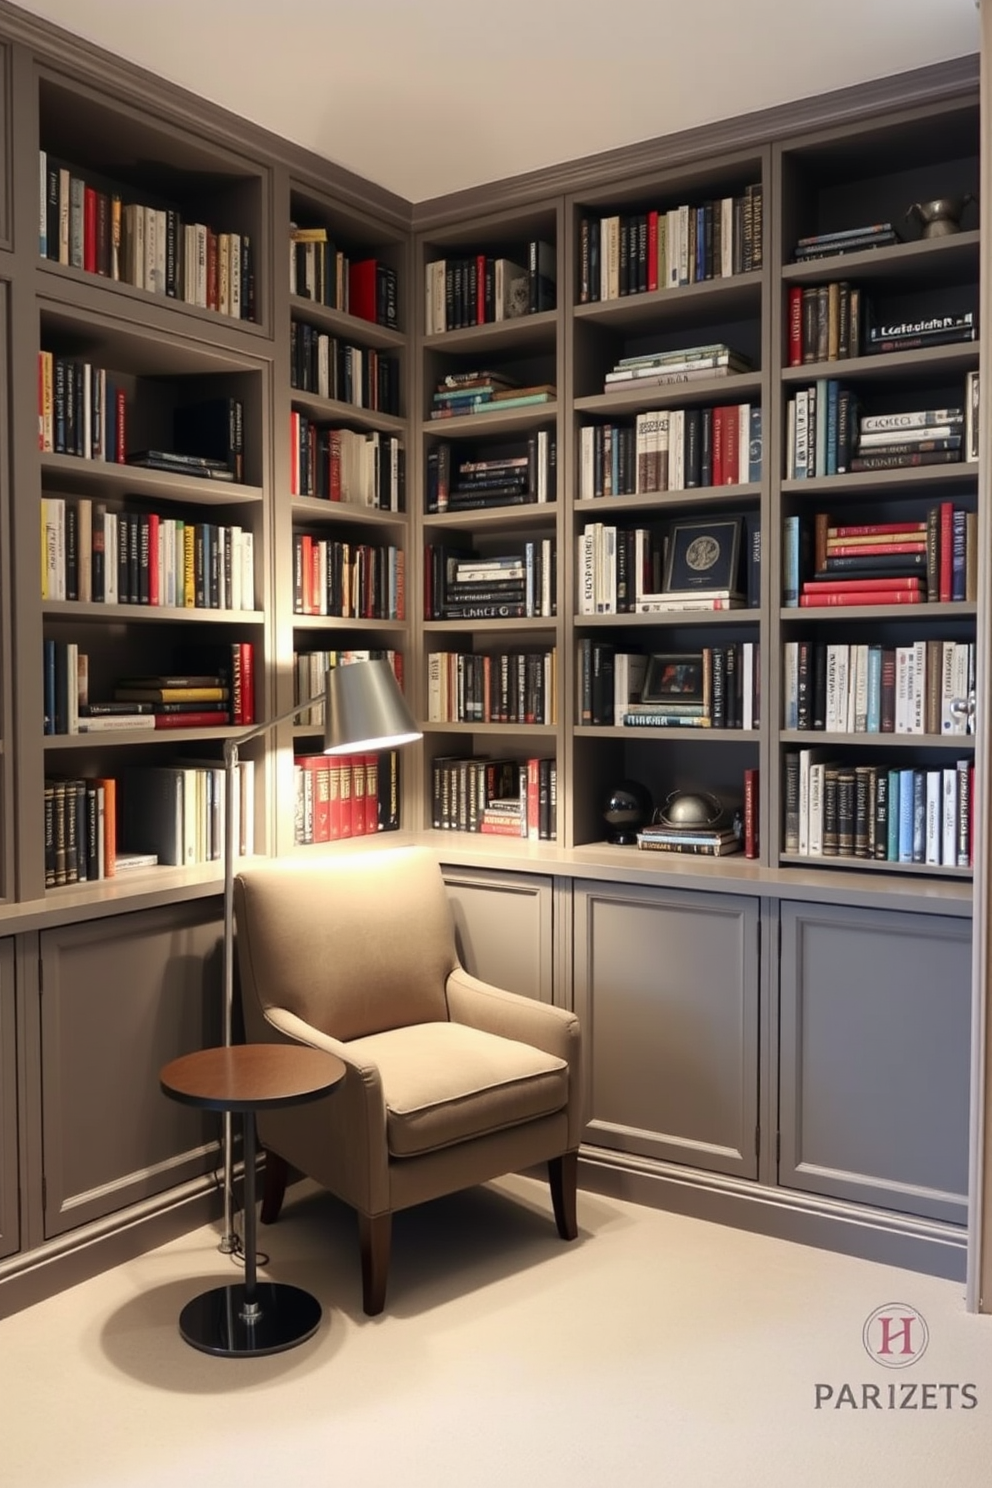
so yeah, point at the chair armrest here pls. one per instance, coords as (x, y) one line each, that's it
(509, 1015)
(347, 1152)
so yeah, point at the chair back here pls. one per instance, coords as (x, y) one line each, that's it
(352, 944)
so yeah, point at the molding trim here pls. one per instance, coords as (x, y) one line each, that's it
(921, 86)
(806, 1219)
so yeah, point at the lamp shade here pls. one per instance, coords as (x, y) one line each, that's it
(364, 709)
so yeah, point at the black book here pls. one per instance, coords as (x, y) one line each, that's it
(213, 429)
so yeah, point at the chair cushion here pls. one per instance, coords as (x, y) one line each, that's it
(445, 1083)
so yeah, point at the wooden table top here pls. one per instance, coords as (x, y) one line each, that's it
(250, 1077)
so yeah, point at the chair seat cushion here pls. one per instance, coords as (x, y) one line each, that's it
(445, 1083)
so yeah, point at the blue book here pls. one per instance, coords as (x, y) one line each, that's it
(754, 446)
(906, 816)
(919, 816)
(892, 844)
(873, 724)
(49, 685)
(959, 553)
(833, 397)
(790, 564)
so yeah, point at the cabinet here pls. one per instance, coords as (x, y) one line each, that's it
(119, 999)
(666, 988)
(504, 928)
(874, 1034)
(10, 1219)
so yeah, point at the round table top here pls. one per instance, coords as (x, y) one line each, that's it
(249, 1077)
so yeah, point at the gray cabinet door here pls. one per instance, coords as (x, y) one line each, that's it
(10, 1218)
(666, 987)
(504, 925)
(874, 1057)
(120, 998)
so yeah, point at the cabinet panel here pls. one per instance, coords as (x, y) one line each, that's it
(9, 1186)
(503, 928)
(875, 1033)
(120, 998)
(666, 986)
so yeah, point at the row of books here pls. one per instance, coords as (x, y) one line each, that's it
(634, 374)
(835, 321)
(92, 554)
(673, 449)
(308, 675)
(159, 701)
(322, 364)
(345, 795)
(506, 687)
(87, 227)
(845, 240)
(354, 581)
(495, 797)
(715, 687)
(919, 687)
(643, 570)
(460, 585)
(827, 434)
(933, 559)
(361, 468)
(636, 252)
(891, 814)
(486, 392)
(516, 473)
(479, 289)
(320, 271)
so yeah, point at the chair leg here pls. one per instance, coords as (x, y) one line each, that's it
(374, 1233)
(563, 1175)
(276, 1173)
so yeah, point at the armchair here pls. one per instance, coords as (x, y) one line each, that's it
(450, 1081)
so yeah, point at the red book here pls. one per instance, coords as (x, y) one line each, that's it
(334, 797)
(877, 529)
(247, 653)
(345, 795)
(154, 575)
(533, 798)
(731, 447)
(866, 550)
(362, 288)
(109, 825)
(213, 286)
(946, 551)
(192, 719)
(89, 229)
(652, 250)
(372, 793)
(358, 796)
(750, 813)
(334, 462)
(795, 326)
(718, 428)
(862, 597)
(853, 586)
(120, 452)
(320, 767)
(480, 289)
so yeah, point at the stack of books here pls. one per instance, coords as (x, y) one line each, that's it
(485, 392)
(701, 842)
(849, 240)
(870, 563)
(492, 475)
(193, 701)
(687, 364)
(932, 330)
(922, 436)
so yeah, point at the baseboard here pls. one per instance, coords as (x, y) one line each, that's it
(872, 1234)
(75, 1257)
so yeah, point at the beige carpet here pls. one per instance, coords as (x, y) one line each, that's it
(655, 1351)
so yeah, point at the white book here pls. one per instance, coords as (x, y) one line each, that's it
(839, 695)
(971, 405)
(860, 688)
(815, 831)
(323, 366)
(65, 192)
(43, 203)
(743, 442)
(110, 590)
(236, 288)
(790, 687)
(587, 602)
(949, 817)
(801, 444)
(72, 687)
(790, 438)
(676, 449)
(673, 247)
(149, 272)
(903, 709)
(933, 819)
(686, 269)
(543, 464)
(726, 237)
(806, 759)
(248, 571)
(747, 684)
(629, 668)
(948, 720)
(918, 691)
(960, 684)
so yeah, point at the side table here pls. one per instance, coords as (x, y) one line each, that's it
(250, 1318)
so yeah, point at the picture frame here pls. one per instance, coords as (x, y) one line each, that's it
(674, 677)
(704, 556)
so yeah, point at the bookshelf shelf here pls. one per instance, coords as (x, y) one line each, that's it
(690, 305)
(484, 425)
(352, 328)
(738, 389)
(523, 335)
(935, 260)
(330, 410)
(919, 365)
(140, 614)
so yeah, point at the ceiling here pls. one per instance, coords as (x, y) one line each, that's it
(426, 98)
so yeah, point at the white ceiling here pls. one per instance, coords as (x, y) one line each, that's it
(426, 97)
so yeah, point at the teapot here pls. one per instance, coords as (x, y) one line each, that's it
(940, 217)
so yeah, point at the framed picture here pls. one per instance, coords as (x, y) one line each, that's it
(674, 677)
(704, 555)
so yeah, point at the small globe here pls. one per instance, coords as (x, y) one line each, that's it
(626, 808)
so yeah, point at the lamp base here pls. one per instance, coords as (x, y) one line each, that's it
(280, 1318)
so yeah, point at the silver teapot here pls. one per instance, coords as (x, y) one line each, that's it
(940, 217)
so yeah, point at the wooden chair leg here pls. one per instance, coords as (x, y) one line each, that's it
(563, 1175)
(375, 1234)
(276, 1172)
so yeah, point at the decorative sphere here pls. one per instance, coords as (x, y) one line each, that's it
(625, 810)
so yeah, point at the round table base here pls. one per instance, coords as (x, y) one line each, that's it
(213, 1322)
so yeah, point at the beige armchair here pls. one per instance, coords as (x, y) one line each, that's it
(450, 1081)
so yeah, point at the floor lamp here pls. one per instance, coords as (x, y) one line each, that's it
(363, 710)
